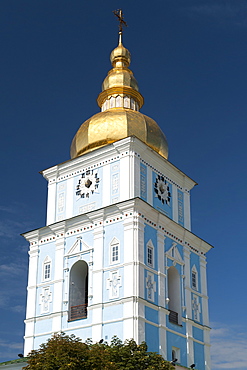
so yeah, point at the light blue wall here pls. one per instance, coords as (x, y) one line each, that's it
(180, 329)
(151, 315)
(43, 326)
(83, 333)
(114, 312)
(152, 337)
(197, 333)
(111, 329)
(40, 339)
(174, 340)
(199, 359)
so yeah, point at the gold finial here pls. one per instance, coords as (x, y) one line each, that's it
(119, 14)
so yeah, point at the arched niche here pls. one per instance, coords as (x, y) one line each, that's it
(174, 295)
(78, 291)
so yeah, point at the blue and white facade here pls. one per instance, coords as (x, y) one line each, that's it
(120, 259)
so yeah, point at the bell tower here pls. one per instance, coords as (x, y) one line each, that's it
(117, 255)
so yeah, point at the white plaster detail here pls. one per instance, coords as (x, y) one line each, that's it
(115, 183)
(150, 286)
(174, 254)
(87, 207)
(78, 246)
(196, 307)
(113, 284)
(45, 300)
(60, 203)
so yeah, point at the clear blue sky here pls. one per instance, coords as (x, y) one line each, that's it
(190, 60)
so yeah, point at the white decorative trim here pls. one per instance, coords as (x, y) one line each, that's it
(113, 283)
(150, 286)
(196, 307)
(79, 246)
(45, 299)
(175, 255)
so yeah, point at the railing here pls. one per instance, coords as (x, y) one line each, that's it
(173, 317)
(78, 312)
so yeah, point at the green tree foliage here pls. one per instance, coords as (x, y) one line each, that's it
(68, 352)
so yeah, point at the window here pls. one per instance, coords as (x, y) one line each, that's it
(194, 278)
(78, 291)
(114, 251)
(150, 254)
(47, 269)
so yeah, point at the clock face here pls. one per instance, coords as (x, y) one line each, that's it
(87, 184)
(162, 190)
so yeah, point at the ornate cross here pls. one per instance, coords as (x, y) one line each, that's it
(45, 299)
(119, 14)
(151, 286)
(113, 284)
(196, 307)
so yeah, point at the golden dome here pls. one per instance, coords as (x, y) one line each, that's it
(119, 118)
(115, 124)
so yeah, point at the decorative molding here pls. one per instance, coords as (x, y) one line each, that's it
(150, 286)
(79, 246)
(174, 254)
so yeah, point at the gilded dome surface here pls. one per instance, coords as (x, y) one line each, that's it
(112, 125)
(120, 101)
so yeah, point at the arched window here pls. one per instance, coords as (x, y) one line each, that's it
(174, 295)
(150, 254)
(78, 291)
(194, 278)
(114, 251)
(119, 101)
(47, 269)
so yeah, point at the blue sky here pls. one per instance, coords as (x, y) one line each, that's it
(190, 59)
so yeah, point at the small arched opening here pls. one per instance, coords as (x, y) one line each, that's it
(78, 291)
(174, 294)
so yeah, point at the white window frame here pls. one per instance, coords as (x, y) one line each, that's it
(194, 282)
(46, 263)
(114, 246)
(150, 247)
(176, 352)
